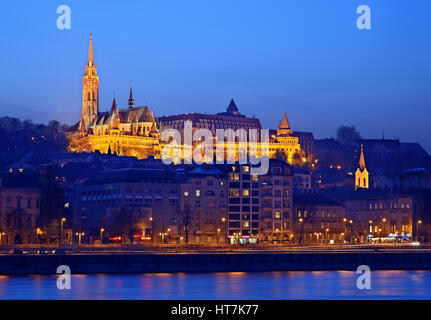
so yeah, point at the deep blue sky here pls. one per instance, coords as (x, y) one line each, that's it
(303, 57)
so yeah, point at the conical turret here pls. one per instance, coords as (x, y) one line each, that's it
(232, 108)
(131, 100)
(284, 129)
(362, 158)
(285, 123)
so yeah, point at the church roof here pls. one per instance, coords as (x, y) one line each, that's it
(203, 118)
(137, 114)
(232, 108)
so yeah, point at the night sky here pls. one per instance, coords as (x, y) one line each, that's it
(303, 57)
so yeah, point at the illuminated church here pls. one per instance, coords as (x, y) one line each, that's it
(362, 176)
(135, 131)
(130, 132)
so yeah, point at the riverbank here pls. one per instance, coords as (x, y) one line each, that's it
(115, 263)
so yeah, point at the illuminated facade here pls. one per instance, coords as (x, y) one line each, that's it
(134, 131)
(362, 175)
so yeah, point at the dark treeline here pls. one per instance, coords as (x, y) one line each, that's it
(18, 138)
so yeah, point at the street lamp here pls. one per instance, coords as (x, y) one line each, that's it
(351, 230)
(163, 236)
(218, 231)
(152, 229)
(417, 228)
(101, 235)
(61, 229)
(38, 233)
(1, 234)
(225, 228)
(80, 234)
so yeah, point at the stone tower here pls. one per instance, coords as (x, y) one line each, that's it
(90, 89)
(362, 175)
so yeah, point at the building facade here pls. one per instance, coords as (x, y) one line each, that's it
(380, 213)
(135, 131)
(130, 205)
(318, 219)
(203, 205)
(260, 207)
(20, 198)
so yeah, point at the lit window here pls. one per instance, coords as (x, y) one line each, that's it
(246, 193)
(234, 193)
(186, 193)
(234, 176)
(198, 193)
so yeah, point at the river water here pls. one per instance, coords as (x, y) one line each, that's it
(266, 285)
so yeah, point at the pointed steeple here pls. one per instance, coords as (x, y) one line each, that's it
(362, 158)
(232, 108)
(114, 105)
(131, 100)
(114, 118)
(285, 123)
(362, 177)
(90, 51)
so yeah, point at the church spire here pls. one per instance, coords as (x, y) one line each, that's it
(362, 178)
(114, 106)
(131, 100)
(362, 158)
(90, 51)
(90, 88)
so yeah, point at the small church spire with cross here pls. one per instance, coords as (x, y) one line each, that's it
(362, 175)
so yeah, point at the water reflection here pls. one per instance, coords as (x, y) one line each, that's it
(235, 285)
